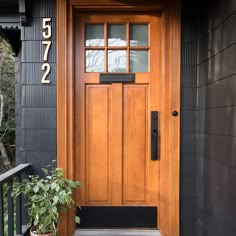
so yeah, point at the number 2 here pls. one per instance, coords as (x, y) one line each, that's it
(45, 67)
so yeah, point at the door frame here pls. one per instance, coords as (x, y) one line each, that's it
(169, 92)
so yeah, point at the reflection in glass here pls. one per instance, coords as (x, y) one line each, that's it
(138, 35)
(116, 35)
(94, 35)
(116, 60)
(138, 61)
(94, 61)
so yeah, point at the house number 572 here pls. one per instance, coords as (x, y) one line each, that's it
(46, 43)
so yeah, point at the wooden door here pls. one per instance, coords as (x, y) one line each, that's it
(113, 117)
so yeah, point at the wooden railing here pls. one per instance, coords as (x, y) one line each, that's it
(14, 209)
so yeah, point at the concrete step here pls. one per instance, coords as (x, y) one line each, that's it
(117, 232)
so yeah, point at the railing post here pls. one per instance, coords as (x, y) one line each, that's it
(19, 210)
(1, 211)
(10, 209)
(8, 178)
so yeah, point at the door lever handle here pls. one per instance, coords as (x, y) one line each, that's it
(154, 135)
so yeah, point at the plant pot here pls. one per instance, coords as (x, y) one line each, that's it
(33, 234)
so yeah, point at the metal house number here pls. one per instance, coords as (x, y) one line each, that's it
(46, 43)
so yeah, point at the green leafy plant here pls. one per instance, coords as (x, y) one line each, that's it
(46, 197)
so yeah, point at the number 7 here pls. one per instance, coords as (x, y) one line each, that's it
(48, 44)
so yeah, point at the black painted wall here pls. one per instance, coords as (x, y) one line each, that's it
(189, 45)
(216, 124)
(36, 102)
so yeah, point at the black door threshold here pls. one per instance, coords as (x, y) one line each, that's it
(117, 217)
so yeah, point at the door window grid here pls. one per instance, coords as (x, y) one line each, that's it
(117, 47)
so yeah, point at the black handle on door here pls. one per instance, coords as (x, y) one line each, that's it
(154, 135)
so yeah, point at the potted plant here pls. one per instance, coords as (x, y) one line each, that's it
(46, 197)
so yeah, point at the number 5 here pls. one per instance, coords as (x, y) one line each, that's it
(47, 33)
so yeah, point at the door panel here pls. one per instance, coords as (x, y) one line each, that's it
(116, 143)
(98, 178)
(135, 144)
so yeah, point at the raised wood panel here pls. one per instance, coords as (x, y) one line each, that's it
(97, 158)
(116, 143)
(135, 144)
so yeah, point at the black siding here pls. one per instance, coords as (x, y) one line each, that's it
(36, 102)
(189, 45)
(216, 126)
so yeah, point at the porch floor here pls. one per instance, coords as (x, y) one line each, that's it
(116, 232)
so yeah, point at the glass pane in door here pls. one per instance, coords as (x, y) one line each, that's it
(139, 61)
(139, 35)
(94, 61)
(116, 35)
(117, 61)
(94, 34)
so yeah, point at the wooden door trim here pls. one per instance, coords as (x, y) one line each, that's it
(170, 91)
